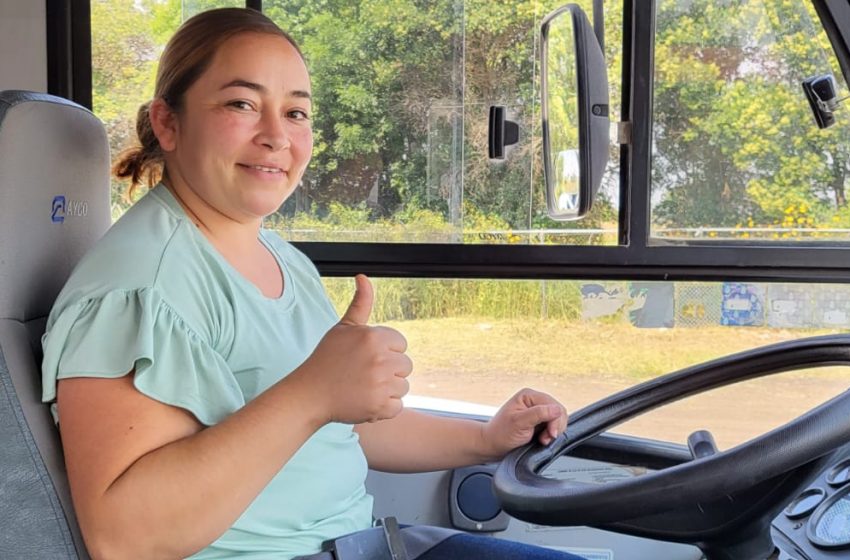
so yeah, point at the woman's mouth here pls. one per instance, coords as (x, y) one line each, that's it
(263, 168)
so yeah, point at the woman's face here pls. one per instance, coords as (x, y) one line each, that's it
(243, 136)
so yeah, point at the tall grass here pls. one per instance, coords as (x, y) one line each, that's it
(398, 299)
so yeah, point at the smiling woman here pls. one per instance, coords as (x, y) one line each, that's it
(211, 401)
(212, 404)
(247, 120)
(186, 57)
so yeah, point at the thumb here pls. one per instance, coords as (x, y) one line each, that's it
(361, 304)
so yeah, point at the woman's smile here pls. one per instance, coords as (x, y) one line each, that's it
(266, 172)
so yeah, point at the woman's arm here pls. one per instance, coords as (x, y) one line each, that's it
(418, 442)
(149, 481)
(415, 441)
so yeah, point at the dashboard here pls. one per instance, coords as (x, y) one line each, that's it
(816, 524)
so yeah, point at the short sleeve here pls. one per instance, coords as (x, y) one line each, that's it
(125, 329)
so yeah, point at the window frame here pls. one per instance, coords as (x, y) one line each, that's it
(635, 257)
(69, 64)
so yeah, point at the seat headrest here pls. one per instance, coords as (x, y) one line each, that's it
(54, 197)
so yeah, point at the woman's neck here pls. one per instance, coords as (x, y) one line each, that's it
(222, 231)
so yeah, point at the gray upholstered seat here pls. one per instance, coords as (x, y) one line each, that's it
(54, 204)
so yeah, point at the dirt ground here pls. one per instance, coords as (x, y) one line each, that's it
(485, 361)
(733, 414)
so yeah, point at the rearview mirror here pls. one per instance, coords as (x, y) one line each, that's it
(574, 89)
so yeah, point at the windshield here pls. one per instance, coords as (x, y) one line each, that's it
(736, 150)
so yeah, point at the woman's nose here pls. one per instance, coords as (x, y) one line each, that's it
(273, 133)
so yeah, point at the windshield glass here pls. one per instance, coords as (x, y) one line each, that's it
(736, 150)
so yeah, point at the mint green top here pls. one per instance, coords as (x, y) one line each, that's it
(155, 295)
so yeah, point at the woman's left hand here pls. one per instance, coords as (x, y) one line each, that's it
(518, 420)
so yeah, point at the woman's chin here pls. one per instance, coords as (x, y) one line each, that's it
(265, 205)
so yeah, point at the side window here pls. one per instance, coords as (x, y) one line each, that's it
(127, 39)
(736, 151)
(402, 91)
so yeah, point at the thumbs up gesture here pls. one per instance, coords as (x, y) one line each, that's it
(360, 371)
(361, 304)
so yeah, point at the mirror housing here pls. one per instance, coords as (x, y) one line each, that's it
(821, 93)
(574, 90)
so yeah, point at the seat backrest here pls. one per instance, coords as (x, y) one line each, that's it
(54, 204)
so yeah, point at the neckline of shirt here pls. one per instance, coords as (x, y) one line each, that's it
(284, 301)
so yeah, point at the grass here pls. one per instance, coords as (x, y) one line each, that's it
(479, 346)
(485, 360)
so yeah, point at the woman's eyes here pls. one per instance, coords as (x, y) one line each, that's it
(241, 105)
(294, 114)
(298, 115)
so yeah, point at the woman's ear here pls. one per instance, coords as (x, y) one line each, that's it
(164, 124)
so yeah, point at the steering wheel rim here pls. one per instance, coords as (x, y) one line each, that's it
(530, 497)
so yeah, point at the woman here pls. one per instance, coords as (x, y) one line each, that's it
(210, 400)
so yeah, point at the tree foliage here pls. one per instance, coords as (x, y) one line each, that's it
(735, 141)
(402, 87)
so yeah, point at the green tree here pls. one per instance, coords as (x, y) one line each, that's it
(127, 39)
(394, 80)
(735, 141)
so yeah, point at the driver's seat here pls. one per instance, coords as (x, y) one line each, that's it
(54, 204)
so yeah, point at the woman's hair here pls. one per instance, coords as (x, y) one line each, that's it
(185, 58)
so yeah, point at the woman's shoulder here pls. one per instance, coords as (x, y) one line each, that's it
(138, 252)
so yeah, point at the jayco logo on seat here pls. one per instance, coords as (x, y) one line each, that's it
(63, 208)
(58, 213)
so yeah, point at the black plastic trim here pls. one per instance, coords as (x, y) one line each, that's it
(817, 516)
(640, 117)
(830, 13)
(625, 115)
(69, 72)
(793, 264)
(58, 47)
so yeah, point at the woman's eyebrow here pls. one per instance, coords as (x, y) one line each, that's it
(238, 82)
(301, 93)
(245, 84)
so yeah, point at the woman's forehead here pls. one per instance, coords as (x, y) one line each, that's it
(269, 61)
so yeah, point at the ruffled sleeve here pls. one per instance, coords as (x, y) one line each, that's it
(125, 329)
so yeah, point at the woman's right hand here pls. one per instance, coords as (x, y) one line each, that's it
(359, 372)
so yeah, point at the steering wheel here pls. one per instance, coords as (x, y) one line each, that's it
(722, 502)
